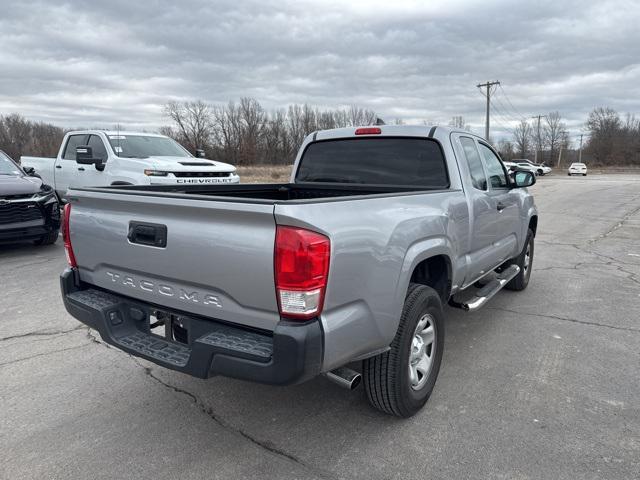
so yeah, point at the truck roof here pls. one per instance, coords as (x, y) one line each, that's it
(434, 131)
(113, 132)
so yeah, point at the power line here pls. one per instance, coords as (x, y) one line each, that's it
(499, 117)
(522, 117)
(504, 109)
(506, 116)
(501, 120)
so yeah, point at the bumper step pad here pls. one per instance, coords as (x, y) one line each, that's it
(96, 299)
(157, 348)
(249, 344)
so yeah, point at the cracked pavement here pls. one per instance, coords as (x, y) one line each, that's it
(539, 384)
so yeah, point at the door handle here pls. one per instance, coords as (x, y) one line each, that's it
(81, 169)
(58, 166)
(501, 206)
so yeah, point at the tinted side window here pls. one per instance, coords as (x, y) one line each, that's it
(497, 177)
(73, 142)
(405, 161)
(97, 146)
(478, 178)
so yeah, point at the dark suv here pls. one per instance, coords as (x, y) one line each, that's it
(29, 209)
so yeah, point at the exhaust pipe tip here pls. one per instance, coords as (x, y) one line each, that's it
(345, 377)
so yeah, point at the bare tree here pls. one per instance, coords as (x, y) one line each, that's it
(522, 137)
(193, 121)
(506, 150)
(553, 132)
(458, 121)
(360, 116)
(604, 126)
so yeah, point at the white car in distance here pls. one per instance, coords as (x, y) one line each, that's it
(577, 169)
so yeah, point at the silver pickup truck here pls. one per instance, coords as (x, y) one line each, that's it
(352, 261)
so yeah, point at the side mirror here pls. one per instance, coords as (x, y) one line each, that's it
(84, 155)
(29, 171)
(522, 179)
(200, 153)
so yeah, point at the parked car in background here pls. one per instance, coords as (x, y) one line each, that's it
(351, 261)
(526, 167)
(28, 208)
(102, 158)
(510, 166)
(577, 169)
(541, 168)
(513, 167)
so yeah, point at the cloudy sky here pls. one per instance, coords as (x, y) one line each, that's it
(102, 63)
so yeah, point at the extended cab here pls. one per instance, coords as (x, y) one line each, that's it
(103, 158)
(352, 261)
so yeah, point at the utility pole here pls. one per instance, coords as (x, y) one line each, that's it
(580, 154)
(538, 140)
(564, 132)
(488, 86)
(560, 156)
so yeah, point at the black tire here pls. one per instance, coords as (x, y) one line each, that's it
(48, 239)
(584, 174)
(520, 281)
(386, 376)
(568, 174)
(540, 172)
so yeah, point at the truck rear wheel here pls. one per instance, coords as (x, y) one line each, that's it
(400, 381)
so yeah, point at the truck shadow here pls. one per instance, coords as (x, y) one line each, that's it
(319, 415)
(28, 248)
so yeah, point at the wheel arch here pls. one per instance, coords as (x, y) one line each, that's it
(434, 272)
(428, 262)
(533, 224)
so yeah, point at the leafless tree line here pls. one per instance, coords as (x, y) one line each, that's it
(19, 136)
(608, 139)
(541, 141)
(244, 133)
(613, 140)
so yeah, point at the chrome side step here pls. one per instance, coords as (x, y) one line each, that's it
(487, 291)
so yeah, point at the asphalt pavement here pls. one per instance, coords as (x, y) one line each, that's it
(540, 384)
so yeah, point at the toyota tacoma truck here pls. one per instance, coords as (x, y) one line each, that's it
(104, 158)
(29, 210)
(345, 268)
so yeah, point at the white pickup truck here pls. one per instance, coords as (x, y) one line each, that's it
(95, 158)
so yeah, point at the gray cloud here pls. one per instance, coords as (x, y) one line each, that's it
(102, 63)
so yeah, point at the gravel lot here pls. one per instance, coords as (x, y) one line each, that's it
(543, 383)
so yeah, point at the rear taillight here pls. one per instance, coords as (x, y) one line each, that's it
(301, 271)
(71, 258)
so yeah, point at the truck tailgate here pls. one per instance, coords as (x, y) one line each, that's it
(217, 262)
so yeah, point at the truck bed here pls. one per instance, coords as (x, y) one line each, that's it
(267, 193)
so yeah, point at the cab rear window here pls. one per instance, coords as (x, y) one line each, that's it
(399, 161)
